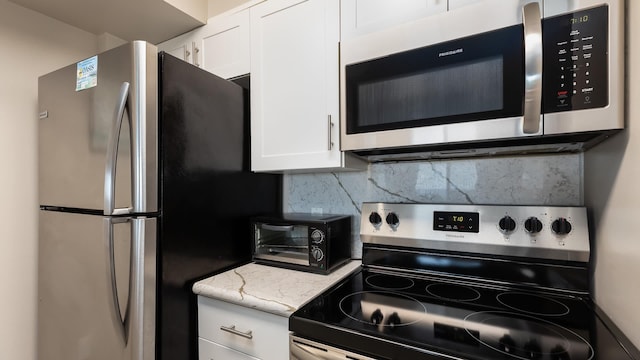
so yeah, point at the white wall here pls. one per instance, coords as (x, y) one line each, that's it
(31, 45)
(612, 191)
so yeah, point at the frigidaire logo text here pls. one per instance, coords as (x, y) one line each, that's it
(450, 52)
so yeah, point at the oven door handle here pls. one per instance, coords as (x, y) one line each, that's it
(303, 352)
(532, 23)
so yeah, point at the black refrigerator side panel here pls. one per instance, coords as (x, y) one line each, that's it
(207, 194)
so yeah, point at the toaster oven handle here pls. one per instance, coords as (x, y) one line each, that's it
(532, 22)
(283, 228)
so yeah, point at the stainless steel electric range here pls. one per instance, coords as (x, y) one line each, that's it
(463, 282)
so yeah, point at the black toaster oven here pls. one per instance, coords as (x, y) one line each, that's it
(307, 242)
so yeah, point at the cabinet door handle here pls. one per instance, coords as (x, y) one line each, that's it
(196, 51)
(330, 128)
(232, 329)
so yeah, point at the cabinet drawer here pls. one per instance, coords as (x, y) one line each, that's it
(250, 331)
(212, 351)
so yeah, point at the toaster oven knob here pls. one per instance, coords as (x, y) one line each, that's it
(392, 220)
(532, 225)
(317, 236)
(507, 224)
(317, 253)
(561, 226)
(375, 219)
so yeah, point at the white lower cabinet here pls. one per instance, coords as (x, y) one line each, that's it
(228, 331)
(211, 351)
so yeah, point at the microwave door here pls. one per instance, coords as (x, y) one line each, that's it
(463, 81)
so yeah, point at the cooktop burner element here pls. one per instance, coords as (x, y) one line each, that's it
(454, 282)
(533, 304)
(453, 292)
(387, 282)
(385, 309)
(529, 337)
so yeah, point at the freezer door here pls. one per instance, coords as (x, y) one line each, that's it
(96, 287)
(77, 132)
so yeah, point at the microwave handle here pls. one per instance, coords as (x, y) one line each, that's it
(532, 22)
(283, 228)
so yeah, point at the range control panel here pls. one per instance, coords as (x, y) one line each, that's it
(550, 232)
(575, 66)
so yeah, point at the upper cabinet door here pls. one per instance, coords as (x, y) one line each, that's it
(184, 47)
(364, 16)
(225, 45)
(294, 85)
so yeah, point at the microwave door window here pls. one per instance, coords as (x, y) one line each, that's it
(459, 89)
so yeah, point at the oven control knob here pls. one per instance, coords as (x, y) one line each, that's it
(376, 317)
(317, 253)
(317, 236)
(507, 344)
(375, 219)
(532, 225)
(507, 224)
(561, 226)
(392, 220)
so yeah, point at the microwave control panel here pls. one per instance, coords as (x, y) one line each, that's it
(575, 66)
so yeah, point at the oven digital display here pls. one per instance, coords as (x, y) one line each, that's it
(456, 221)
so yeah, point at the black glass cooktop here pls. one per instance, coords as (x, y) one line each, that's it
(391, 316)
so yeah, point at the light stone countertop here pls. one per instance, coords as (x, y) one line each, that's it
(268, 288)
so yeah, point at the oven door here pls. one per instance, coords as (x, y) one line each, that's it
(470, 74)
(303, 349)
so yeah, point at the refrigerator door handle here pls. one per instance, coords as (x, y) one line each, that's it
(112, 155)
(120, 322)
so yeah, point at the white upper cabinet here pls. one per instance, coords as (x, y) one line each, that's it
(294, 86)
(225, 45)
(364, 16)
(454, 4)
(184, 47)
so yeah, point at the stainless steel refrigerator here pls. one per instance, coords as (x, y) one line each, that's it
(144, 188)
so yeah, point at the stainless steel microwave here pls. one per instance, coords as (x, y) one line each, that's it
(308, 242)
(505, 76)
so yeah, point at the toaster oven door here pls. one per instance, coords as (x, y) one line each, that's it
(281, 243)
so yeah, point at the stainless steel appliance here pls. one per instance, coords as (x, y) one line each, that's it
(307, 242)
(144, 188)
(493, 77)
(463, 282)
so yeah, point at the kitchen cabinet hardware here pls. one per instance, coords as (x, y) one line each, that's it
(232, 329)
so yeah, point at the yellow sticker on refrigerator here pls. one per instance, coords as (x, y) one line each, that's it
(87, 73)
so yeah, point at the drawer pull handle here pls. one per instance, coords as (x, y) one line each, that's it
(232, 329)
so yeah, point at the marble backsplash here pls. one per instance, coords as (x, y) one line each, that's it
(522, 180)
